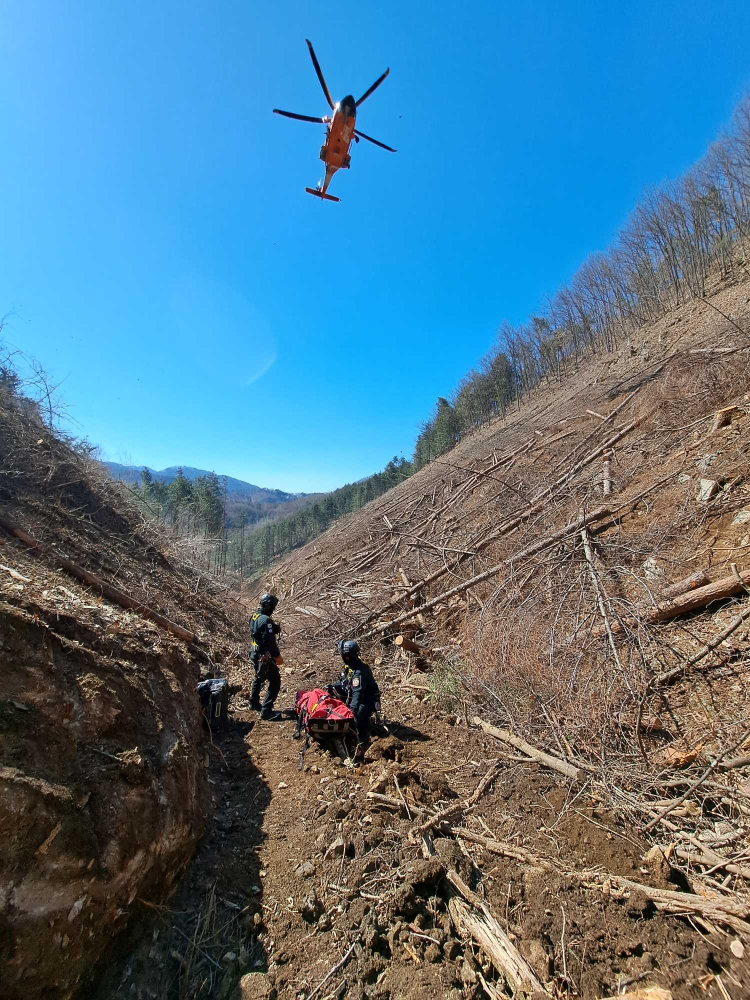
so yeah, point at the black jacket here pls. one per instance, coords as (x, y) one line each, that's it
(263, 632)
(357, 687)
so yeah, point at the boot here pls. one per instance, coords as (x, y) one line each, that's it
(269, 715)
(255, 704)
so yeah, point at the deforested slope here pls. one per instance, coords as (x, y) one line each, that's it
(576, 574)
(103, 781)
(546, 811)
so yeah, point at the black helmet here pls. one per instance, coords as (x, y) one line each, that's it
(267, 603)
(347, 648)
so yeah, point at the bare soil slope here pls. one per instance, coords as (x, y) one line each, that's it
(102, 774)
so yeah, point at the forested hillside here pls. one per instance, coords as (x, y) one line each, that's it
(206, 519)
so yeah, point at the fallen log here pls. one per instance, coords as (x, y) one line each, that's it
(473, 919)
(698, 579)
(692, 600)
(391, 803)
(733, 913)
(595, 515)
(601, 597)
(668, 676)
(699, 853)
(499, 847)
(484, 930)
(719, 909)
(599, 514)
(532, 752)
(106, 589)
(597, 429)
(461, 806)
(515, 522)
(720, 590)
(406, 643)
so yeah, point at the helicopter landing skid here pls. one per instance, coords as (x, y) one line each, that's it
(321, 194)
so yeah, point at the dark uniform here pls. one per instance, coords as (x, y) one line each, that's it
(357, 687)
(264, 652)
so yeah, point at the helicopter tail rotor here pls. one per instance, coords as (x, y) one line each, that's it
(321, 194)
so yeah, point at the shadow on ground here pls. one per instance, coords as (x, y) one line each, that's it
(207, 937)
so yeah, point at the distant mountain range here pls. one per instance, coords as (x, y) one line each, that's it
(237, 489)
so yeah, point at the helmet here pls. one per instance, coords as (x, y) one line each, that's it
(347, 648)
(267, 603)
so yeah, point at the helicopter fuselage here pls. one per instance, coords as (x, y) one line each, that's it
(339, 134)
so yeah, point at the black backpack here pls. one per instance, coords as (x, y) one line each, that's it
(214, 699)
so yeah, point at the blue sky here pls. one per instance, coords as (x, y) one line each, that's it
(159, 253)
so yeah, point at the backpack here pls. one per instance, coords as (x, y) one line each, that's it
(321, 714)
(214, 701)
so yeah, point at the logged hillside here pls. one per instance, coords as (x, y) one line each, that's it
(575, 578)
(558, 804)
(103, 778)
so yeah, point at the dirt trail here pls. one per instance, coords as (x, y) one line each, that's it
(299, 869)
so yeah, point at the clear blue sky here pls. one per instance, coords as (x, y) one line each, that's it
(161, 256)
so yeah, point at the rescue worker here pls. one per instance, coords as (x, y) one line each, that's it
(356, 687)
(265, 658)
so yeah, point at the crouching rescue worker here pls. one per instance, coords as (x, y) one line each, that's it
(265, 658)
(357, 687)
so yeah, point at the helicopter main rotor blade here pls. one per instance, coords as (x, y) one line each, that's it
(375, 141)
(319, 71)
(301, 118)
(373, 87)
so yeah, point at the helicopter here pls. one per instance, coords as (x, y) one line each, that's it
(340, 130)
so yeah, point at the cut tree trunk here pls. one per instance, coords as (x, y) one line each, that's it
(700, 597)
(723, 417)
(406, 643)
(698, 579)
(561, 766)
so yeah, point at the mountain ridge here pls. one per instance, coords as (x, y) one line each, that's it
(236, 487)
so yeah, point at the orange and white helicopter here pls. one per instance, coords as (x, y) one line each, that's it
(340, 131)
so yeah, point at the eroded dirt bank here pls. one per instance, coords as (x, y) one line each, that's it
(103, 781)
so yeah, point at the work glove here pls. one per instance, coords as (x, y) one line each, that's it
(279, 661)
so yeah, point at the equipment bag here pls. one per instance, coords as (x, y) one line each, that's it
(214, 699)
(320, 714)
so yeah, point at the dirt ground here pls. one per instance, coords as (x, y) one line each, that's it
(300, 868)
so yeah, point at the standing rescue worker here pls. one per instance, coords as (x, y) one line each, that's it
(357, 687)
(265, 657)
